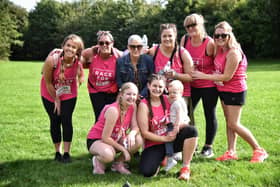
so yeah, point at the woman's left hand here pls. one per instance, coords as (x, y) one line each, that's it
(197, 75)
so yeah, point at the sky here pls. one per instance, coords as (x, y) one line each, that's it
(30, 4)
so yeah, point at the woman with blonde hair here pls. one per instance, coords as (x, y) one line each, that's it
(62, 73)
(201, 49)
(230, 77)
(116, 131)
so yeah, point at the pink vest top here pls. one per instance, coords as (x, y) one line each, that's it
(177, 65)
(102, 75)
(119, 130)
(157, 125)
(69, 85)
(201, 62)
(238, 82)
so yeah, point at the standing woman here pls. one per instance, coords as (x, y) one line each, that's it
(201, 48)
(134, 66)
(62, 73)
(152, 117)
(230, 77)
(101, 59)
(109, 135)
(173, 61)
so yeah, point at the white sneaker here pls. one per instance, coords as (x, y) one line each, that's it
(170, 164)
(178, 156)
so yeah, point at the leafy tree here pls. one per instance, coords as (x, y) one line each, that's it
(12, 20)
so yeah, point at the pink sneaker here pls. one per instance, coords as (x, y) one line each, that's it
(185, 173)
(120, 167)
(229, 155)
(98, 167)
(259, 155)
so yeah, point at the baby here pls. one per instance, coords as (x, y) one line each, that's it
(178, 117)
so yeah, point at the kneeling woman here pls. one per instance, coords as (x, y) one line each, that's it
(109, 135)
(152, 116)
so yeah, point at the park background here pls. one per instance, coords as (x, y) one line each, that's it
(26, 151)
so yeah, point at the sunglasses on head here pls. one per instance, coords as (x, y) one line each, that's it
(136, 46)
(220, 35)
(190, 25)
(104, 42)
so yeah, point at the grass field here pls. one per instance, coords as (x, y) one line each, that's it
(26, 151)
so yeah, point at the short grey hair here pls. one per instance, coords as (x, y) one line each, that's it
(134, 37)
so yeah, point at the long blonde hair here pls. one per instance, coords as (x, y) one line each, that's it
(199, 20)
(78, 40)
(232, 42)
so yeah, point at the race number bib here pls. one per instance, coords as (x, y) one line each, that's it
(63, 90)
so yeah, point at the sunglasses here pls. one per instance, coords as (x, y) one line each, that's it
(102, 43)
(190, 25)
(216, 36)
(136, 46)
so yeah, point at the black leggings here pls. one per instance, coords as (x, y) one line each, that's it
(99, 100)
(65, 118)
(152, 156)
(209, 98)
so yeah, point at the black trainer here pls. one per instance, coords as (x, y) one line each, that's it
(58, 157)
(66, 157)
(207, 152)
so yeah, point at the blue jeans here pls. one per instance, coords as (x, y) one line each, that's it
(169, 145)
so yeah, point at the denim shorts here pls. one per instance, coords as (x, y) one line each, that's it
(230, 98)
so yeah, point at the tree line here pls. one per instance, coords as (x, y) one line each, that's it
(31, 35)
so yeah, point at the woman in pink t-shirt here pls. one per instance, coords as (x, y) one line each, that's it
(116, 131)
(101, 61)
(230, 77)
(201, 48)
(152, 117)
(173, 61)
(62, 73)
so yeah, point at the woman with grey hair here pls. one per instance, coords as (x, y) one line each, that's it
(135, 66)
(101, 61)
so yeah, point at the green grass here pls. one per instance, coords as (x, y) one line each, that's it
(26, 151)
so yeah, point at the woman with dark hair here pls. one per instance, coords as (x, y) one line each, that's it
(152, 117)
(101, 61)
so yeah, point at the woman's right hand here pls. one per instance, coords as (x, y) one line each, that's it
(170, 136)
(126, 155)
(57, 105)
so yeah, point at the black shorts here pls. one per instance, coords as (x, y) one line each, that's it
(230, 98)
(90, 142)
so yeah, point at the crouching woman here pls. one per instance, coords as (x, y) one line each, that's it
(116, 130)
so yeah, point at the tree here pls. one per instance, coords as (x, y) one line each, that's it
(12, 20)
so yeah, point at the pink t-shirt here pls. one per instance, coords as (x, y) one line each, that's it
(119, 130)
(102, 75)
(67, 88)
(177, 65)
(157, 125)
(238, 82)
(201, 62)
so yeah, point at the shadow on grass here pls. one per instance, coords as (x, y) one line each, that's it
(78, 172)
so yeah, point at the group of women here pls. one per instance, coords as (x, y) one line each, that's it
(128, 95)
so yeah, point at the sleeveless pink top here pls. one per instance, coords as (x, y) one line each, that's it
(177, 65)
(157, 125)
(102, 75)
(201, 62)
(119, 130)
(238, 82)
(68, 87)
